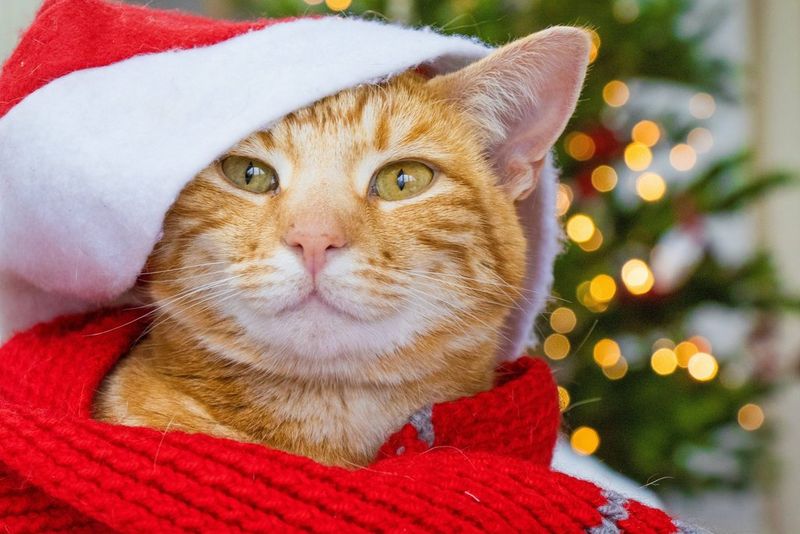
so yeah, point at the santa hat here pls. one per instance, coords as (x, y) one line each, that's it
(108, 110)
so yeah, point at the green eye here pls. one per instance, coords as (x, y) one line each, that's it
(250, 174)
(402, 179)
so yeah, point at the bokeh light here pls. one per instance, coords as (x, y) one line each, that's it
(702, 106)
(563, 199)
(563, 320)
(585, 440)
(606, 352)
(580, 228)
(700, 139)
(646, 132)
(651, 187)
(602, 288)
(684, 351)
(563, 398)
(604, 178)
(616, 371)
(338, 5)
(750, 417)
(703, 367)
(594, 242)
(556, 346)
(638, 156)
(637, 277)
(579, 146)
(682, 157)
(585, 298)
(616, 93)
(664, 361)
(595, 45)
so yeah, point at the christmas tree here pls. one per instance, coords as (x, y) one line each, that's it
(639, 387)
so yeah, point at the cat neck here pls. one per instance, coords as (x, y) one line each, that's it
(182, 384)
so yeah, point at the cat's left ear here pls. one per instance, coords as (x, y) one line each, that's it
(521, 96)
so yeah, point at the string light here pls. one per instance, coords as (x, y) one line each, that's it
(563, 320)
(663, 343)
(702, 106)
(703, 367)
(585, 440)
(563, 398)
(650, 187)
(585, 298)
(579, 146)
(616, 93)
(338, 5)
(563, 199)
(637, 156)
(604, 178)
(602, 288)
(594, 242)
(616, 371)
(750, 417)
(701, 140)
(664, 361)
(684, 351)
(595, 45)
(580, 228)
(637, 277)
(556, 346)
(606, 352)
(646, 132)
(682, 157)
(702, 344)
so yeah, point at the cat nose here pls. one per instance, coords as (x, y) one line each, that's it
(314, 240)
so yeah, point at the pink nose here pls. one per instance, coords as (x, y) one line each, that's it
(314, 240)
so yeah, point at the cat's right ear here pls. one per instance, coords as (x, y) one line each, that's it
(521, 96)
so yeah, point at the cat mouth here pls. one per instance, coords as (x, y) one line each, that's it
(315, 302)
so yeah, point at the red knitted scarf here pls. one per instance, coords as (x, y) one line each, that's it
(481, 466)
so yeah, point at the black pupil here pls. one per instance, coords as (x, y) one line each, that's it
(402, 179)
(251, 171)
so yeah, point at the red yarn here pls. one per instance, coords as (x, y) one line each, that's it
(95, 33)
(59, 470)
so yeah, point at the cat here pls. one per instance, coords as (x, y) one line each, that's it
(330, 276)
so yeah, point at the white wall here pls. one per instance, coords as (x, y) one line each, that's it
(14, 16)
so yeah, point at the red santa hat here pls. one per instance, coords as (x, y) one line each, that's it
(108, 110)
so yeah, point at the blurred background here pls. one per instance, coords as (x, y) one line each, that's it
(674, 331)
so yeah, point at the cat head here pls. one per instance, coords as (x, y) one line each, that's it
(375, 231)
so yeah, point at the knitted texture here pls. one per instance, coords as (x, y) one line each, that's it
(486, 471)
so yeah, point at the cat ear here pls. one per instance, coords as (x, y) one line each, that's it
(522, 96)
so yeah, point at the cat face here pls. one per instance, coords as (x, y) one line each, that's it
(368, 233)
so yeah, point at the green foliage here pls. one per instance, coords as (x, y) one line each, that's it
(651, 426)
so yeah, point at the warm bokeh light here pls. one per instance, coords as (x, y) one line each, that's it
(664, 361)
(585, 298)
(682, 157)
(651, 187)
(616, 371)
(563, 398)
(702, 106)
(663, 343)
(626, 11)
(637, 277)
(638, 156)
(646, 132)
(594, 242)
(579, 146)
(606, 352)
(563, 320)
(684, 351)
(595, 45)
(313, 2)
(563, 199)
(616, 93)
(585, 440)
(702, 344)
(604, 178)
(556, 346)
(703, 367)
(338, 5)
(580, 228)
(701, 140)
(750, 417)
(602, 288)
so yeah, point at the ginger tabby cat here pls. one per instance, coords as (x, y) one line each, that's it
(329, 277)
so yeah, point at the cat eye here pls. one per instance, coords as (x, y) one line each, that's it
(250, 174)
(402, 179)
